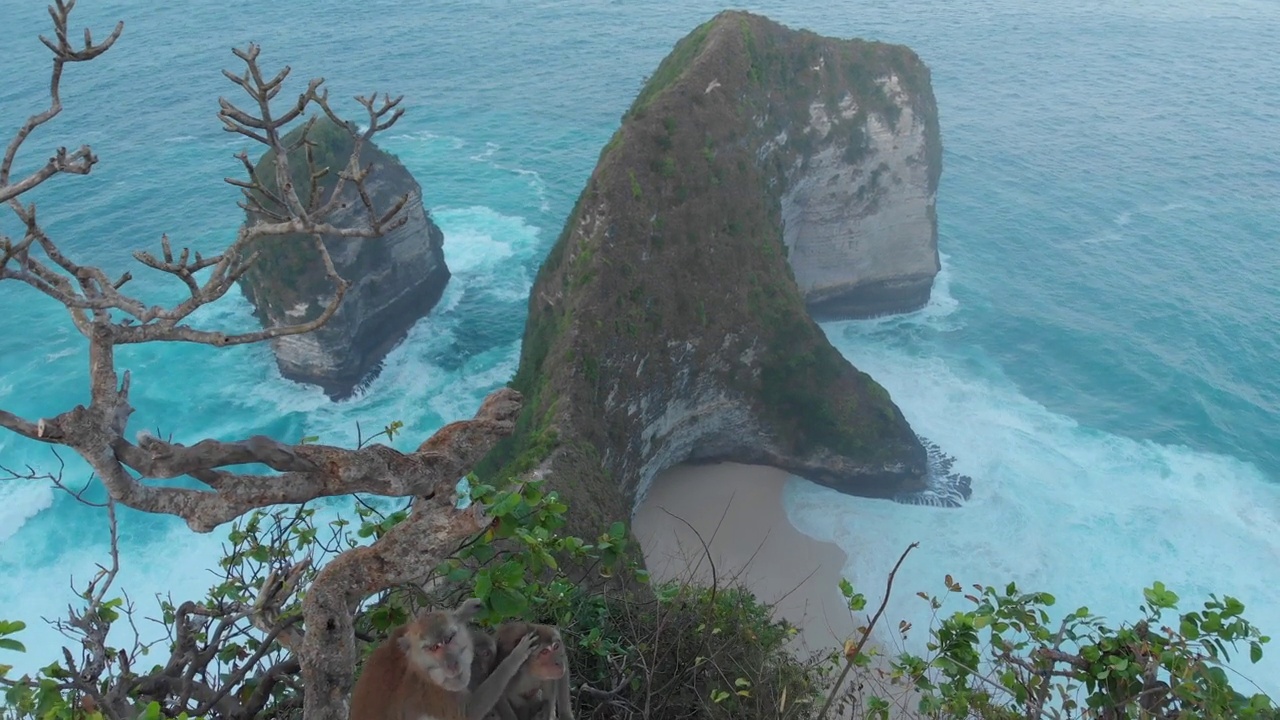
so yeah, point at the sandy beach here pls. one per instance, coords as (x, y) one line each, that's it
(738, 511)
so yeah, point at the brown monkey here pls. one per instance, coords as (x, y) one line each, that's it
(423, 671)
(541, 688)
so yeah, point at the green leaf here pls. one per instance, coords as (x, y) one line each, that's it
(508, 603)
(10, 644)
(846, 588)
(484, 586)
(533, 494)
(504, 506)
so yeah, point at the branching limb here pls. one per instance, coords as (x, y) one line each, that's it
(77, 162)
(195, 675)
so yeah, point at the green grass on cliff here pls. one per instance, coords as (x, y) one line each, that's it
(692, 248)
(672, 66)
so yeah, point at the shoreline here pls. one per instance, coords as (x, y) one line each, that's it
(738, 511)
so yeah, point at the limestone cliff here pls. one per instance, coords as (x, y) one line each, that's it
(859, 213)
(666, 325)
(395, 279)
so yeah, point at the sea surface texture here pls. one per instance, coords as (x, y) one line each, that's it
(1102, 354)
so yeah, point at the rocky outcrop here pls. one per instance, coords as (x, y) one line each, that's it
(859, 214)
(396, 279)
(666, 325)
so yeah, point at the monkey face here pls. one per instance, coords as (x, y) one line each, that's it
(444, 651)
(548, 660)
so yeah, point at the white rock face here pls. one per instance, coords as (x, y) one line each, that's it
(861, 226)
(395, 280)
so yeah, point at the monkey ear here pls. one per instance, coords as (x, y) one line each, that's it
(469, 608)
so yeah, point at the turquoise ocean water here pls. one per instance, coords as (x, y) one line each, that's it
(1102, 354)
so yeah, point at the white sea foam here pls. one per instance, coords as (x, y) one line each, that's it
(486, 250)
(20, 502)
(490, 148)
(1090, 517)
(478, 237)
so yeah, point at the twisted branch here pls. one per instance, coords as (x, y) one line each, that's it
(108, 317)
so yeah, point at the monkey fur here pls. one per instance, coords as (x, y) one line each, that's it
(423, 671)
(540, 690)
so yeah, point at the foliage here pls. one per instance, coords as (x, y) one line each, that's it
(672, 67)
(694, 652)
(1002, 658)
(675, 649)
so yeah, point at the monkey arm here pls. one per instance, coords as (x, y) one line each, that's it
(505, 711)
(486, 696)
(561, 704)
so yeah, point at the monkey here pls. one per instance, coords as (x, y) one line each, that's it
(423, 671)
(485, 657)
(541, 688)
(482, 665)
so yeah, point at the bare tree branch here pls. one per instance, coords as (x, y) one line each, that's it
(851, 654)
(77, 162)
(132, 473)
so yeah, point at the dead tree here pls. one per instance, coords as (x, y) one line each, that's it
(108, 317)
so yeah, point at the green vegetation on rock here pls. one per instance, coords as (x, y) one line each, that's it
(289, 270)
(672, 269)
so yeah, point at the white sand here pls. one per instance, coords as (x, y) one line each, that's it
(738, 511)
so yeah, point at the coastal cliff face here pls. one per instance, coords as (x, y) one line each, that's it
(396, 279)
(666, 325)
(860, 211)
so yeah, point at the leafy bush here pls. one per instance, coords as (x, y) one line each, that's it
(664, 651)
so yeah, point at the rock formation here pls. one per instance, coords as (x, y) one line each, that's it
(395, 279)
(859, 213)
(666, 325)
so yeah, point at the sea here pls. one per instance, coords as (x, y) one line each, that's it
(1101, 354)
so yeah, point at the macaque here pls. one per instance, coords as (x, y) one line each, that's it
(541, 688)
(484, 658)
(423, 671)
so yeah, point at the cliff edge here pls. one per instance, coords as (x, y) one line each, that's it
(396, 279)
(666, 325)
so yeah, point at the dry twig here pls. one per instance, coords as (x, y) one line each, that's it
(852, 655)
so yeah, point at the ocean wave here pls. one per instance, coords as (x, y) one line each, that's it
(1089, 516)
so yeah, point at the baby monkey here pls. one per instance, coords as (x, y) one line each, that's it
(541, 687)
(485, 657)
(423, 671)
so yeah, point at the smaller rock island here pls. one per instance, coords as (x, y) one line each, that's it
(396, 279)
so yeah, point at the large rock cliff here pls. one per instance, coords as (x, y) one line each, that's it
(395, 279)
(859, 213)
(666, 325)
